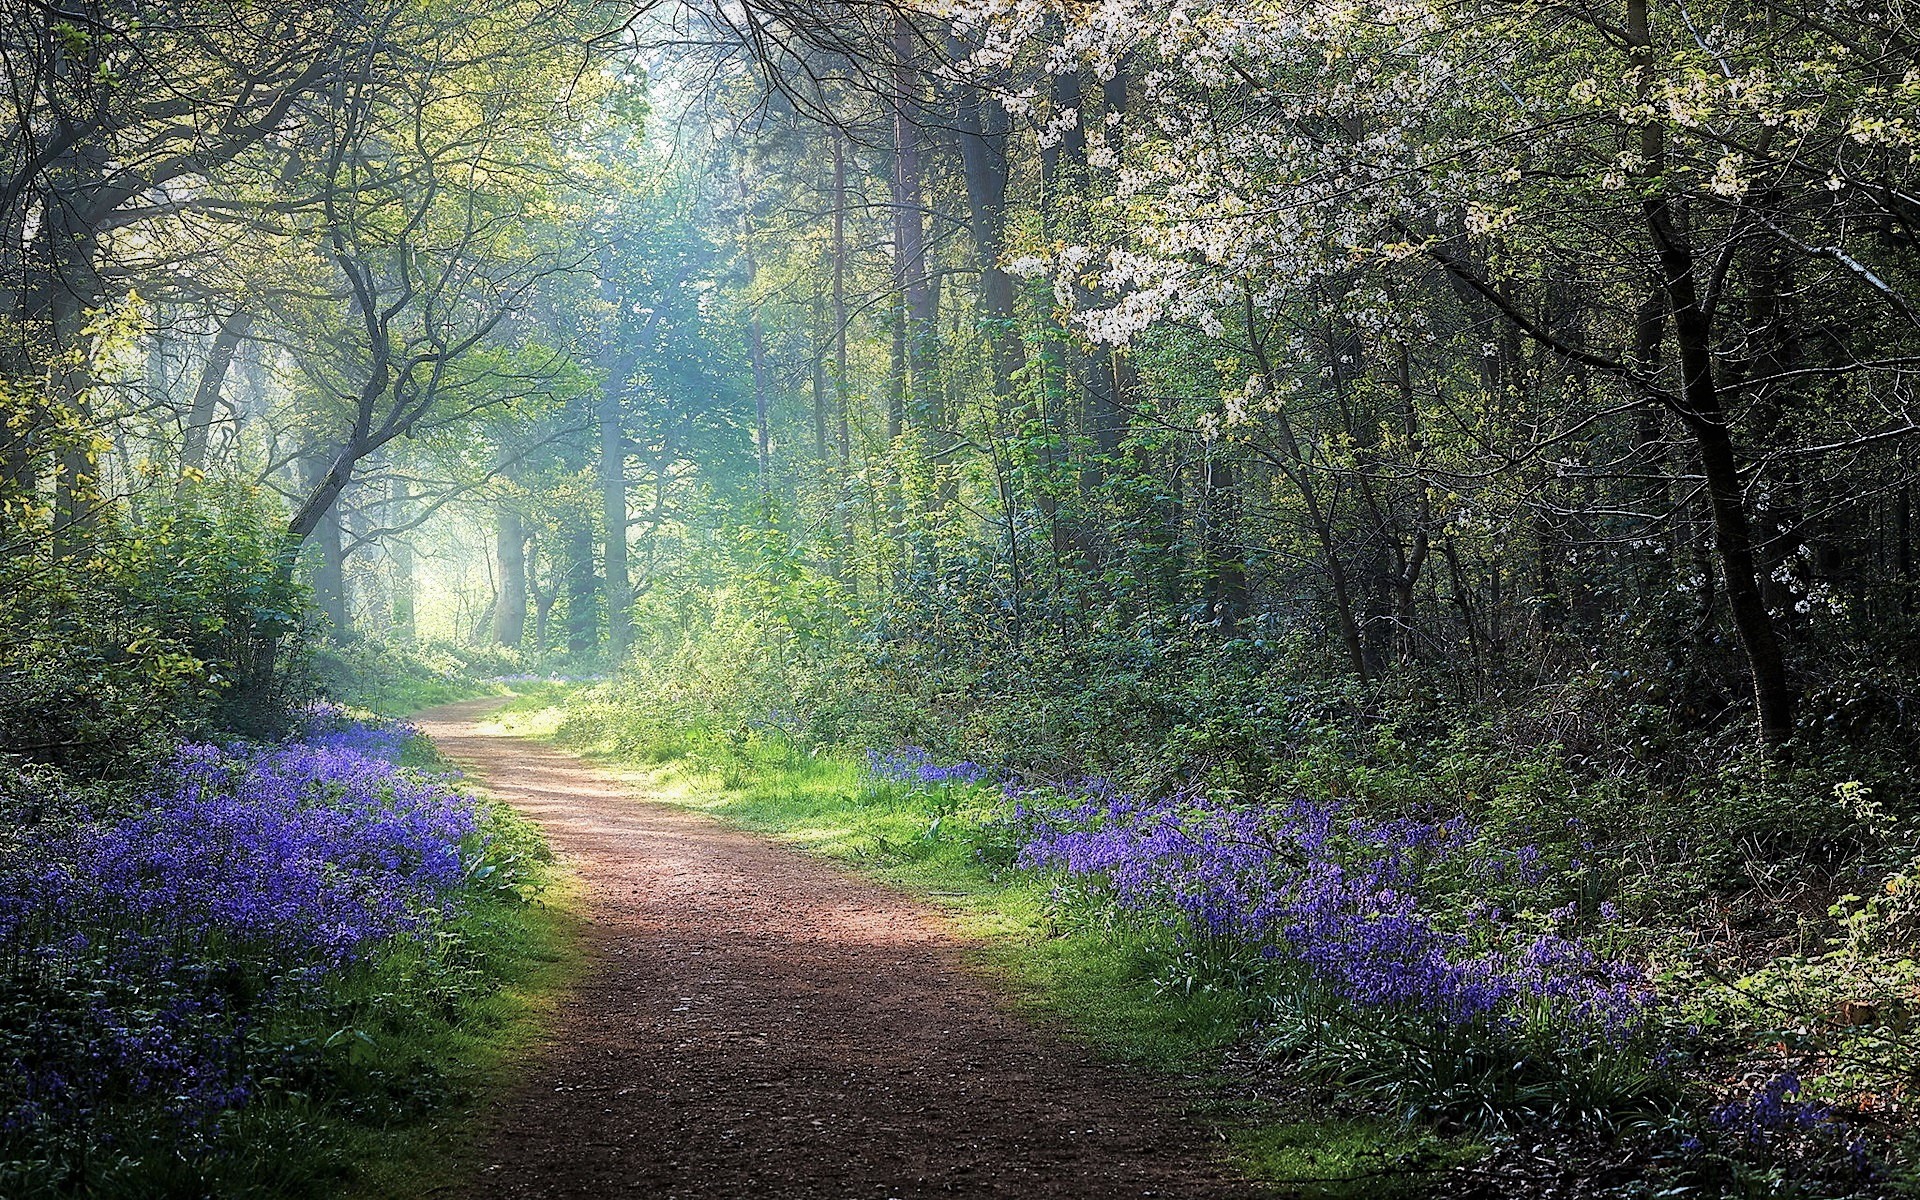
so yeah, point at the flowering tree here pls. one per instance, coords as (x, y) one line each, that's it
(1651, 220)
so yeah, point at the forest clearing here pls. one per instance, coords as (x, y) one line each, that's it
(1310, 598)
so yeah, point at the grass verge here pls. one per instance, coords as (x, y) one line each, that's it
(394, 680)
(531, 951)
(1103, 985)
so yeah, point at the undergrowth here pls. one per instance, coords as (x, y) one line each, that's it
(283, 970)
(1466, 952)
(396, 678)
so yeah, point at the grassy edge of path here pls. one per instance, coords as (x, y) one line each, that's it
(535, 952)
(484, 1051)
(1095, 984)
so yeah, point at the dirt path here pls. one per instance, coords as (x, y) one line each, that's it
(756, 1023)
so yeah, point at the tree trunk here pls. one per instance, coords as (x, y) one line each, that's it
(400, 560)
(1299, 472)
(544, 598)
(841, 391)
(922, 392)
(582, 584)
(1705, 419)
(613, 511)
(982, 129)
(510, 609)
(206, 396)
(330, 571)
(1223, 581)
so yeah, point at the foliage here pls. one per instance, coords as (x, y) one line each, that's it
(396, 678)
(1404, 904)
(182, 625)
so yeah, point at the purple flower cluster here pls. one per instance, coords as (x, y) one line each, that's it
(1366, 911)
(314, 852)
(324, 724)
(915, 766)
(150, 944)
(1775, 1107)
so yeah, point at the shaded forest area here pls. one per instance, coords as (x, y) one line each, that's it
(1406, 510)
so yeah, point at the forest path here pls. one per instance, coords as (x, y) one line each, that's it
(755, 1023)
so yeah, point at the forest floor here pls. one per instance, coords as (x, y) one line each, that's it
(755, 1022)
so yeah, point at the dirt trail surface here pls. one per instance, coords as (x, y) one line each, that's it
(756, 1023)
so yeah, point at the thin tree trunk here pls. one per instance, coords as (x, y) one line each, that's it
(1705, 419)
(206, 396)
(1223, 578)
(1300, 473)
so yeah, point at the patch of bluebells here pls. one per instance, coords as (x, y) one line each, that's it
(1361, 909)
(148, 947)
(327, 725)
(914, 766)
(314, 852)
(1774, 1107)
(1776, 1122)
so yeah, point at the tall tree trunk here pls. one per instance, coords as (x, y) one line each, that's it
(73, 292)
(510, 609)
(544, 598)
(613, 512)
(1294, 465)
(400, 563)
(582, 585)
(841, 384)
(757, 359)
(1223, 580)
(982, 127)
(330, 570)
(922, 395)
(762, 414)
(1705, 418)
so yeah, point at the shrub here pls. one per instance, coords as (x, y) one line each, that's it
(188, 624)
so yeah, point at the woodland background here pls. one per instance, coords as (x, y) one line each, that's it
(1494, 411)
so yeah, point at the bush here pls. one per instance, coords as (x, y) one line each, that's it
(187, 624)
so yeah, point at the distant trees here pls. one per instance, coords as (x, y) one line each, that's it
(1485, 338)
(121, 113)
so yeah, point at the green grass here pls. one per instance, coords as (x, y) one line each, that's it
(1106, 985)
(395, 680)
(532, 951)
(521, 951)
(401, 694)
(1347, 1159)
(1097, 983)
